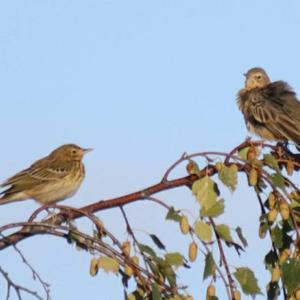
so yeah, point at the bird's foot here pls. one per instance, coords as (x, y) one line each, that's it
(51, 212)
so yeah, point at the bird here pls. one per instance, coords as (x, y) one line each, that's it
(48, 180)
(271, 109)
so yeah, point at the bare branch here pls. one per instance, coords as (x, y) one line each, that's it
(18, 288)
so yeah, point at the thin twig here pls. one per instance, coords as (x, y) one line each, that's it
(35, 274)
(131, 233)
(18, 288)
(223, 259)
(185, 157)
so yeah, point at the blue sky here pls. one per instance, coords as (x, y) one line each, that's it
(140, 82)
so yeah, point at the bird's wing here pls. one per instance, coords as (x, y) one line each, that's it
(276, 107)
(50, 173)
(38, 173)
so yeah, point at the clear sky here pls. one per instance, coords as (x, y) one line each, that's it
(140, 82)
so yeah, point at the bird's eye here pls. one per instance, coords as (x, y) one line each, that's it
(258, 76)
(74, 151)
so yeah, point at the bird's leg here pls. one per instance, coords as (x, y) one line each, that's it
(50, 210)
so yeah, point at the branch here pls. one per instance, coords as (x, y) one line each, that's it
(58, 219)
(35, 274)
(18, 288)
(223, 259)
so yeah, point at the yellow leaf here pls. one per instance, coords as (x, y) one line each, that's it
(193, 251)
(94, 267)
(211, 291)
(205, 191)
(128, 270)
(135, 260)
(184, 225)
(108, 264)
(253, 176)
(284, 210)
(272, 215)
(126, 248)
(203, 231)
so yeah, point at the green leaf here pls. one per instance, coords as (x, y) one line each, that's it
(161, 262)
(291, 274)
(155, 292)
(271, 161)
(243, 153)
(78, 240)
(277, 180)
(228, 175)
(214, 211)
(241, 236)
(210, 266)
(147, 249)
(173, 215)
(247, 281)
(174, 259)
(153, 266)
(108, 264)
(157, 242)
(295, 204)
(168, 272)
(203, 231)
(277, 237)
(205, 191)
(224, 232)
(280, 238)
(74, 237)
(131, 297)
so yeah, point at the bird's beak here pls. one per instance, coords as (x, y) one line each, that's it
(86, 150)
(245, 74)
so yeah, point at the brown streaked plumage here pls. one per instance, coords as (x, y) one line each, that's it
(48, 180)
(271, 109)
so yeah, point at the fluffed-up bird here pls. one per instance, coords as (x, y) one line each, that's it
(271, 109)
(48, 180)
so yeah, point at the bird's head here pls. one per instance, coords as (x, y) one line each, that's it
(70, 152)
(256, 78)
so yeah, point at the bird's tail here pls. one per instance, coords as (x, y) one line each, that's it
(4, 200)
(11, 197)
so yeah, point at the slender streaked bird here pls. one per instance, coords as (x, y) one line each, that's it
(271, 109)
(48, 180)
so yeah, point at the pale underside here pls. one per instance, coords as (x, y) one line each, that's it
(47, 194)
(45, 185)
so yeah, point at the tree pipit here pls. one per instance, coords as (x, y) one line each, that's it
(48, 180)
(271, 109)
